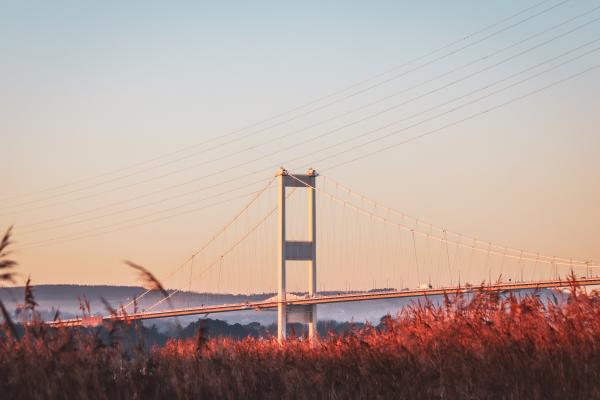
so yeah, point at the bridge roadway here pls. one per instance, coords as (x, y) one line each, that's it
(341, 298)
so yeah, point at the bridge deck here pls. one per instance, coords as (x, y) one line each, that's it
(341, 298)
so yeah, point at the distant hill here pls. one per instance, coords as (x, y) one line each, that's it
(68, 298)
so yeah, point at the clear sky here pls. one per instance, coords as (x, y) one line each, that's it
(90, 87)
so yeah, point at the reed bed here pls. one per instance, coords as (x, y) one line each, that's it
(485, 346)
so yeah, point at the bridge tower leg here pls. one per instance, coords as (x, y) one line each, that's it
(312, 263)
(296, 250)
(281, 295)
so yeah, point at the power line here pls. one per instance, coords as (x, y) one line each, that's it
(436, 116)
(513, 100)
(94, 233)
(143, 205)
(331, 95)
(472, 116)
(485, 87)
(370, 116)
(329, 119)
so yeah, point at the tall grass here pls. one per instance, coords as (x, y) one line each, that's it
(483, 347)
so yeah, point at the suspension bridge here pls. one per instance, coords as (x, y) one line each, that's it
(306, 239)
(370, 242)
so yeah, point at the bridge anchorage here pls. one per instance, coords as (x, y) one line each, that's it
(296, 251)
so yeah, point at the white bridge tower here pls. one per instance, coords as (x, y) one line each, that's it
(296, 250)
